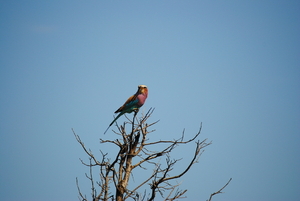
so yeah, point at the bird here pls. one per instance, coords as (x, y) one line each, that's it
(132, 104)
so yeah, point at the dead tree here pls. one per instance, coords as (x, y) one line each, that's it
(115, 174)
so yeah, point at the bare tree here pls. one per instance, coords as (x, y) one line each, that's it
(116, 173)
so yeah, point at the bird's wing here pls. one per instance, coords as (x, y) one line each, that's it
(131, 101)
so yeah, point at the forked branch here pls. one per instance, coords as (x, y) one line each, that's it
(132, 141)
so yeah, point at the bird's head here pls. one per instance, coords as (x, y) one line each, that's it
(143, 89)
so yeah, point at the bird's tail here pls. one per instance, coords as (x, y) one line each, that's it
(113, 121)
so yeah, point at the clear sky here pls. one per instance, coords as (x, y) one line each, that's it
(232, 65)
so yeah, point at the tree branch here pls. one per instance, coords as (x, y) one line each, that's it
(219, 191)
(135, 143)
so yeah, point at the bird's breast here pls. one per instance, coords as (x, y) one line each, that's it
(142, 99)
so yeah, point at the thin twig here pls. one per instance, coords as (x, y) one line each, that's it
(219, 191)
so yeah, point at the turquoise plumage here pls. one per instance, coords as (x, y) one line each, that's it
(133, 103)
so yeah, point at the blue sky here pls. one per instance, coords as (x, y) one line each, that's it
(232, 65)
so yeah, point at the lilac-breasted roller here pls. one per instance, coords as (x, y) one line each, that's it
(133, 103)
